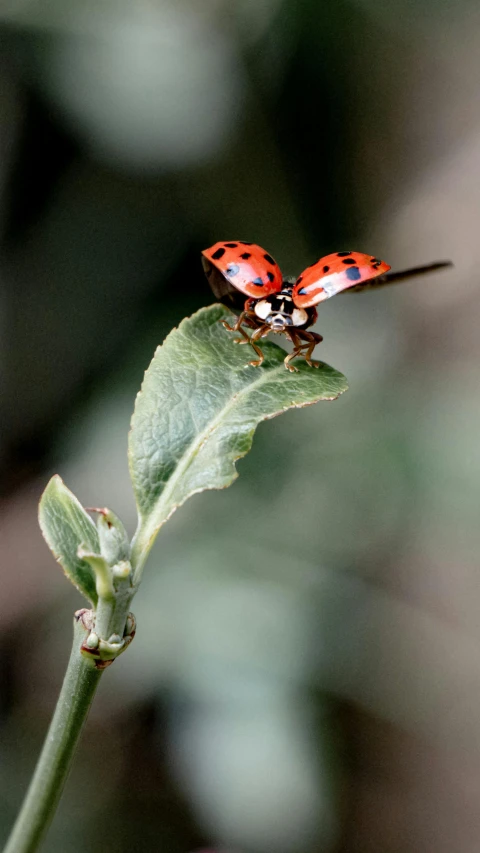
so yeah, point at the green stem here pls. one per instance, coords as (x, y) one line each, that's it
(111, 613)
(78, 689)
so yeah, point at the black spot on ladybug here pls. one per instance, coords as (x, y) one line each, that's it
(375, 261)
(246, 256)
(353, 274)
(299, 279)
(218, 254)
(348, 261)
(326, 269)
(233, 269)
(269, 259)
(271, 276)
(343, 254)
(243, 243)
(231, 245)
(257, 282)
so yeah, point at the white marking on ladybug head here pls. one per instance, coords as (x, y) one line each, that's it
(262, 309)
(299, 316)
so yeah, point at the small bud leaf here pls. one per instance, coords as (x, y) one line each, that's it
(66, 527)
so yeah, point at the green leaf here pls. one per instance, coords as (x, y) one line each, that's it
(197, 411)
(67, 527)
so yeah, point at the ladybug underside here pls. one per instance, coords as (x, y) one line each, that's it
(278, 313)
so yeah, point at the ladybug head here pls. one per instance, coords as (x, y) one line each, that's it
(279, 311)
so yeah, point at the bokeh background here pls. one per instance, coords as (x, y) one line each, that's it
(306, 672)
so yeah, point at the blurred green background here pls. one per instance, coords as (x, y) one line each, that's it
(306, 673)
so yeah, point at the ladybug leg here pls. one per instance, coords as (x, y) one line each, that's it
(261, 332)
(311, 339)
(236, 327)
(247, 316)
(296, 344)
(251, 323)
(243, 318)
(245, 338)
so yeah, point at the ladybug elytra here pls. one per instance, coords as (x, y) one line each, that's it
(275, 304)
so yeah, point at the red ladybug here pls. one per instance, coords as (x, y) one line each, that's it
(287, 307)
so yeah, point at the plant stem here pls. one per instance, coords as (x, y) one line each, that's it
(112, 611)
(78, 689)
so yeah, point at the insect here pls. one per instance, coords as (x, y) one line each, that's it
(287, 306)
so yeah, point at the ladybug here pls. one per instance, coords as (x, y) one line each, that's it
(285, 306)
